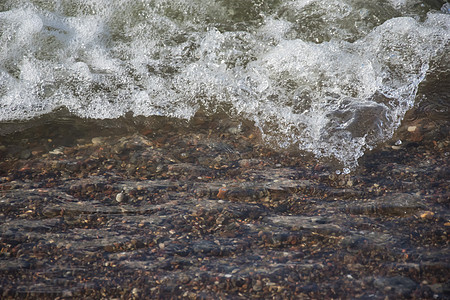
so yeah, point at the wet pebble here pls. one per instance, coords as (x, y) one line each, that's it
(206, 214)
(121, 197)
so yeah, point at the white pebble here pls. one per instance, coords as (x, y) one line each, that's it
(120, 197)
(97, 140)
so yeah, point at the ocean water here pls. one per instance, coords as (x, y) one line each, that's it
(333, 78)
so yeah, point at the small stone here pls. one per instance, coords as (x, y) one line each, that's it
(25, 154)
(222, 192)
(120, 197)
(57, 151)
(412, 128)
(135, 292)
(427, 215)
(220, 220)
(257, 286)
(234, 130)
(184, 278)
(97, 140)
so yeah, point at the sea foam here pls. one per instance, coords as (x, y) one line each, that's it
(334, 78)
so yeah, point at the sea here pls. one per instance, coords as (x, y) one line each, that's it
(330, 78)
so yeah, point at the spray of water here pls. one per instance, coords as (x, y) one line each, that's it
(333, 77)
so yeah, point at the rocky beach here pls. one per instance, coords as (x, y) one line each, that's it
(160, 208)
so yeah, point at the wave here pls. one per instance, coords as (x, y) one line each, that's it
(334, 78)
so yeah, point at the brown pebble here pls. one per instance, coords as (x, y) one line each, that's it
(427, 215)
(221, 193)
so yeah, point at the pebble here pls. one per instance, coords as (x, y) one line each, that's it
(135, 292)
(258, 223)
(97, 140)
(25, 154)
(427, 215)
(257, 286)
(234, 130)
(120, 197)
(57, 151)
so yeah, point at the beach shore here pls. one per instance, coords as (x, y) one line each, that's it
(204, 209)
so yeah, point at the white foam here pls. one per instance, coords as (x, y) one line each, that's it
(332, 77)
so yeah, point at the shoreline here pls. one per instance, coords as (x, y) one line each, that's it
(210, 211)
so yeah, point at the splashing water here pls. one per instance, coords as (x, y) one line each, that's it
(333, 77)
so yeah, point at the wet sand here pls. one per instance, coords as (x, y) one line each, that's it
(199, 210)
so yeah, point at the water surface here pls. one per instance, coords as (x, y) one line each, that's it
(333, 78)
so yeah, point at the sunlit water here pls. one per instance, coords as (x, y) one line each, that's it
(334, 78)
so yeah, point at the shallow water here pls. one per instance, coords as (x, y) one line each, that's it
(154, 207)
